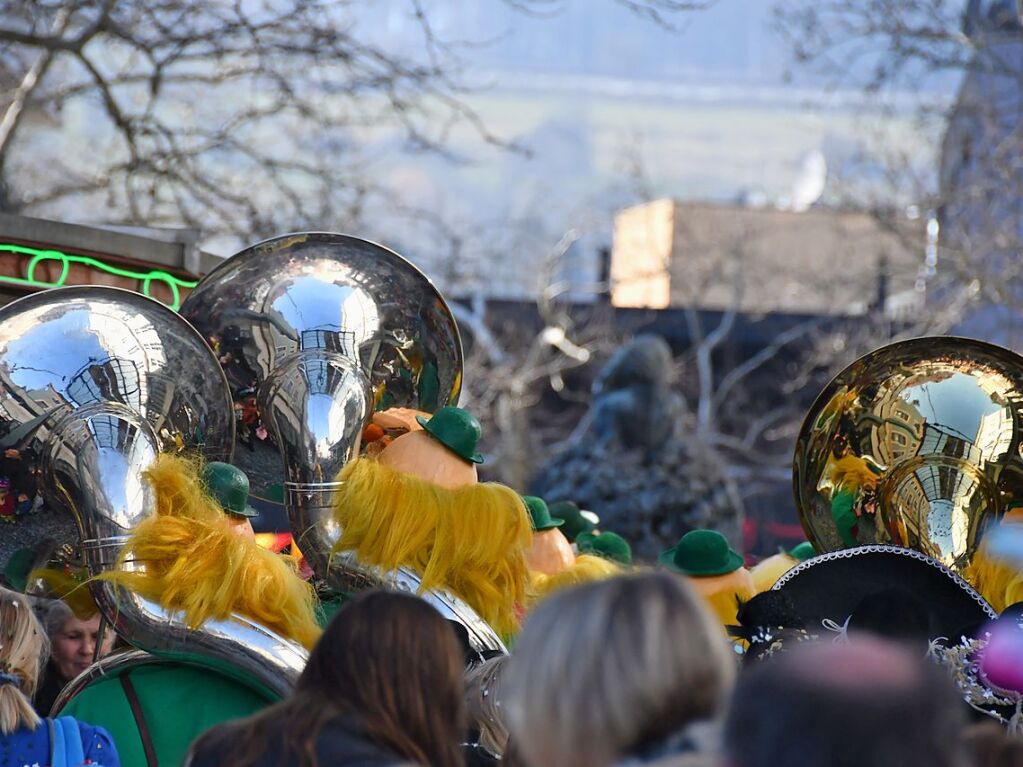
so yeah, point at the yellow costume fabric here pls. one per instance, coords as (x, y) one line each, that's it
(1000, 584)
(194, 561)
(471, 540)
(767, 572)
(723, 592)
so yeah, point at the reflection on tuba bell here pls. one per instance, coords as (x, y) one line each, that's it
(94, 382)
(916, 444)
(328, 328)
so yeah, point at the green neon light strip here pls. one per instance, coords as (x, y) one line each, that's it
(66, 259)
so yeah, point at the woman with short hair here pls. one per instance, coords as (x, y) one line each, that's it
(24, 737)
(383, 686)
(631, 670)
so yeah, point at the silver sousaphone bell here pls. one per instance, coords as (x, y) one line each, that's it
(94, 383)
(326, 328)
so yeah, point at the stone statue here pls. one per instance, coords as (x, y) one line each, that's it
(630, 461)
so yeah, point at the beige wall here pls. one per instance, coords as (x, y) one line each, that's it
(641, 255)
(759, 260)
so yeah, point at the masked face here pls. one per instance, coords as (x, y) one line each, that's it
(74, 645)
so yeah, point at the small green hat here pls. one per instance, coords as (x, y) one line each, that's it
(456, 429)
(540, 515)
(803, 551)
(608, 545)
(18, 567)
(576, 522)
(702, 552)
(229, 487)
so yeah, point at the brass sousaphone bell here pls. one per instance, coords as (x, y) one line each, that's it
(916, 444)
(326, 328)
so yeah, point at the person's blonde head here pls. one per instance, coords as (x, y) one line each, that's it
(483, 704)
(612, 668)
(22, 650)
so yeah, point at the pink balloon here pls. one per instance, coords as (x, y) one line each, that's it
(1001, 663)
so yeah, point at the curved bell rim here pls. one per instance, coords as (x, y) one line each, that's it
(68, 348)
(915, 444)
(336, 292)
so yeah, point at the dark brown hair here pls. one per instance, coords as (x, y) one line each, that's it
(389, 661)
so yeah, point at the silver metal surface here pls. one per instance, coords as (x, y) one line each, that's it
(329, 328)
(94, 383)
(916, 444)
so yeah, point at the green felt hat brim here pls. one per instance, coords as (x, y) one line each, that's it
(248, 511)
(425, 423)
(554, 523)
(732, 563)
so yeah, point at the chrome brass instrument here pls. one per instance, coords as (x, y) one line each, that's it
(916, 444)
(327, 328)
(94, 382)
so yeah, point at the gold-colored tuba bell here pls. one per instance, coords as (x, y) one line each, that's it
(916, 444)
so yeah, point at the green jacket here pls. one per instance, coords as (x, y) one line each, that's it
(178, 701)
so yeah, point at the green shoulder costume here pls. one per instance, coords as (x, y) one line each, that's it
(178, 702)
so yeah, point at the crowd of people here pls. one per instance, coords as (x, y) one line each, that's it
(633, 670)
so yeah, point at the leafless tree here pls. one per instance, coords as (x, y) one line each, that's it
(930, 47)
(233, 118)
(517, 361)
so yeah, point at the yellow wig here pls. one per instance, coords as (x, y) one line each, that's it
(1000, 584)
(70, 588)
(587, 567)
(195, 562)
(471, 540)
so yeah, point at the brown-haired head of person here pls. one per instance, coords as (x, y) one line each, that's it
(626, 668)
(989, 744)
(383, 685)
(867, 702)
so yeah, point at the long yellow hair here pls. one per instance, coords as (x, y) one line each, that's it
(471, 540)
(195, 563)
(587, 568)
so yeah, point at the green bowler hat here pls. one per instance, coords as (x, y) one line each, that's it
(803, 551)
(540, 515)
(701, 552)
(456, 429)
(576, 522)
(229, 487)
(608, 545)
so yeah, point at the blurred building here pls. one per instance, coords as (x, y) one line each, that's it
(713, 257)
(981, 181)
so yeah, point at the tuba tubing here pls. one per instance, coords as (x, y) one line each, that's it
(117, 378)
(96, 460)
